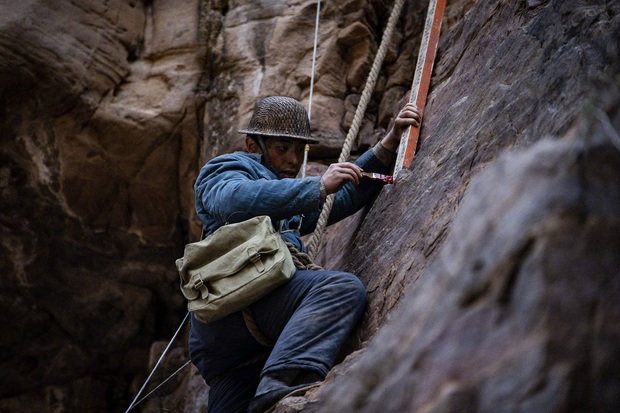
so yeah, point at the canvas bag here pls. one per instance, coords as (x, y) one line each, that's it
(233, 267)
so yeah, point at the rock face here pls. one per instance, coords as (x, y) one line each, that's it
(492, 265)
(518, 311)
(99, 146)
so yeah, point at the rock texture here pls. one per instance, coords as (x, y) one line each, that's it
(99, 144)
(518, 312)
(492, 265)
(529, 82)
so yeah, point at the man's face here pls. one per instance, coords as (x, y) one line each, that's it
(285, 155)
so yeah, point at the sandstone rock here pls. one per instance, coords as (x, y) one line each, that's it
(98, 135)
(519, 310)
(107, 111)
(251, 63)
(515, 86)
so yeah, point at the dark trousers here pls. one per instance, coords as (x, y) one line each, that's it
(309, 318)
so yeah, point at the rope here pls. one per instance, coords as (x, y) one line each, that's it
(302, 260)
(316, 42)
(315, 240)
(133, 403)
(255, 331)
(162, 383)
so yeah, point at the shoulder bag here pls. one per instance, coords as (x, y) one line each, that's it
(233, 267)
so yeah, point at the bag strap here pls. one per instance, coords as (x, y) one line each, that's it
(203, 233)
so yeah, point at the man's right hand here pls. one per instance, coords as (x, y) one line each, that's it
(339, 174)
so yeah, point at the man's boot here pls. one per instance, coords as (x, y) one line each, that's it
(276, 385)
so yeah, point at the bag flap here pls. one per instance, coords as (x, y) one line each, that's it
(230, 248)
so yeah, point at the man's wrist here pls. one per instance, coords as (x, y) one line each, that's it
(384, 154)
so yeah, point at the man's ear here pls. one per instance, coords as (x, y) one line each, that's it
(252, 146)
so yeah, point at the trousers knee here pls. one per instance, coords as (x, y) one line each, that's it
(350, 286)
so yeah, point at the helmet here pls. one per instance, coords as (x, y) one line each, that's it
(280, 116)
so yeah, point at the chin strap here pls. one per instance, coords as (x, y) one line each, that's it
(263, 148)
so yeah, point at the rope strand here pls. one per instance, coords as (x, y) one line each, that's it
(302, 261)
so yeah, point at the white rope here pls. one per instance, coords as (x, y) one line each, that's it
(316, 42)
(602, 116)
(357, 120)
(133, 403)
(161, 384)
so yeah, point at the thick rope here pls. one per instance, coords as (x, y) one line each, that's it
(255, 331)
(302, 260)
(315, 240)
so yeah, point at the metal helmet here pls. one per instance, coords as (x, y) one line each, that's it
(280, 116)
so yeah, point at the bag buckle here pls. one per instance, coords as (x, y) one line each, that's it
(256, 259)
(200, 286)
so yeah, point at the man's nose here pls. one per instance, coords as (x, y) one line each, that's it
(293, 158)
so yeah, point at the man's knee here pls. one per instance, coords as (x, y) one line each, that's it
(350, 286)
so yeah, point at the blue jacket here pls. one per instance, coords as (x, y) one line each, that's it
(235, 187)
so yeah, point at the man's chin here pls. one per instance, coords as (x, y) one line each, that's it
(288, 175)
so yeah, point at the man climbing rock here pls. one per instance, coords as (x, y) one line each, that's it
(291, 337)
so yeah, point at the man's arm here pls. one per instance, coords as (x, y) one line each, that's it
(232, 189)
(345, 179)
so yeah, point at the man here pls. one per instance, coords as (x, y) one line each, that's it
(309, 317)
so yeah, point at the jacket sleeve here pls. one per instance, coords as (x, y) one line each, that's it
(234, 188)
(351, 198)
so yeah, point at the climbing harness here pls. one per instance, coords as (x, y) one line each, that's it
(315, 240)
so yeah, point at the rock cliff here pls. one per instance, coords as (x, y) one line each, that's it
(492, 265)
